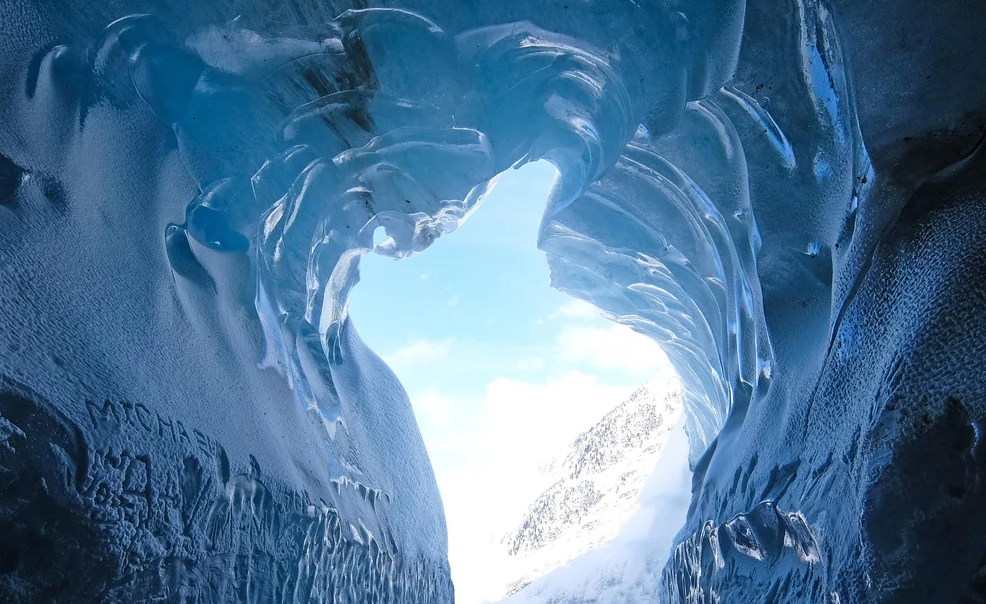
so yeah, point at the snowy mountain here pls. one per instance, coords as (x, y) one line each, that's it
(594, 483)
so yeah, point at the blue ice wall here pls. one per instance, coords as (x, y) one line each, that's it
(787, 195)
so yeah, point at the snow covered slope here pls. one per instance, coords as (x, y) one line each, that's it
(595, 483)
(626, 569)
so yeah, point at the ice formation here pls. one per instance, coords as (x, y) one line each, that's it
(786, 195)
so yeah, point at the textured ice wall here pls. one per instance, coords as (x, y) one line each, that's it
(150, 447)
(781, 193)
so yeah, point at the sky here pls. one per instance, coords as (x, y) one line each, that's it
(502, 370)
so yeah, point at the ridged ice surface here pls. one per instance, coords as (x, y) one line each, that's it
(783, 194)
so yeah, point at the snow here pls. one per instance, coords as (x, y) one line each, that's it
(601, 489)
(626, 568)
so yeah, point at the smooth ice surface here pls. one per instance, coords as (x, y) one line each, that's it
(786, 195)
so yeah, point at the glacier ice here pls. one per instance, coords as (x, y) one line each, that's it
(787, 196)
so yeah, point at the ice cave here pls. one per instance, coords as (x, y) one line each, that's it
(787, 196)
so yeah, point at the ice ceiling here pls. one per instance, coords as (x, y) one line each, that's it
(786, 195)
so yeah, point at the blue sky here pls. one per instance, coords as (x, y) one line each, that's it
(501, 369)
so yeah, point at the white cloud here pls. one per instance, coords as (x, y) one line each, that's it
(576, 309)
(419, 351)
(541, 417)
(515, 426)
(454, 301)
(530, 363)
(514, 420)
(433, 411)
(615, 347)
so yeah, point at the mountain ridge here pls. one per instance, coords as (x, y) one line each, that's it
(594, 483)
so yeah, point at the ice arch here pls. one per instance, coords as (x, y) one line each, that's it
(415, 160)
(717, 192)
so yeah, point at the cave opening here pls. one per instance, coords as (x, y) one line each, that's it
(549, 426)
